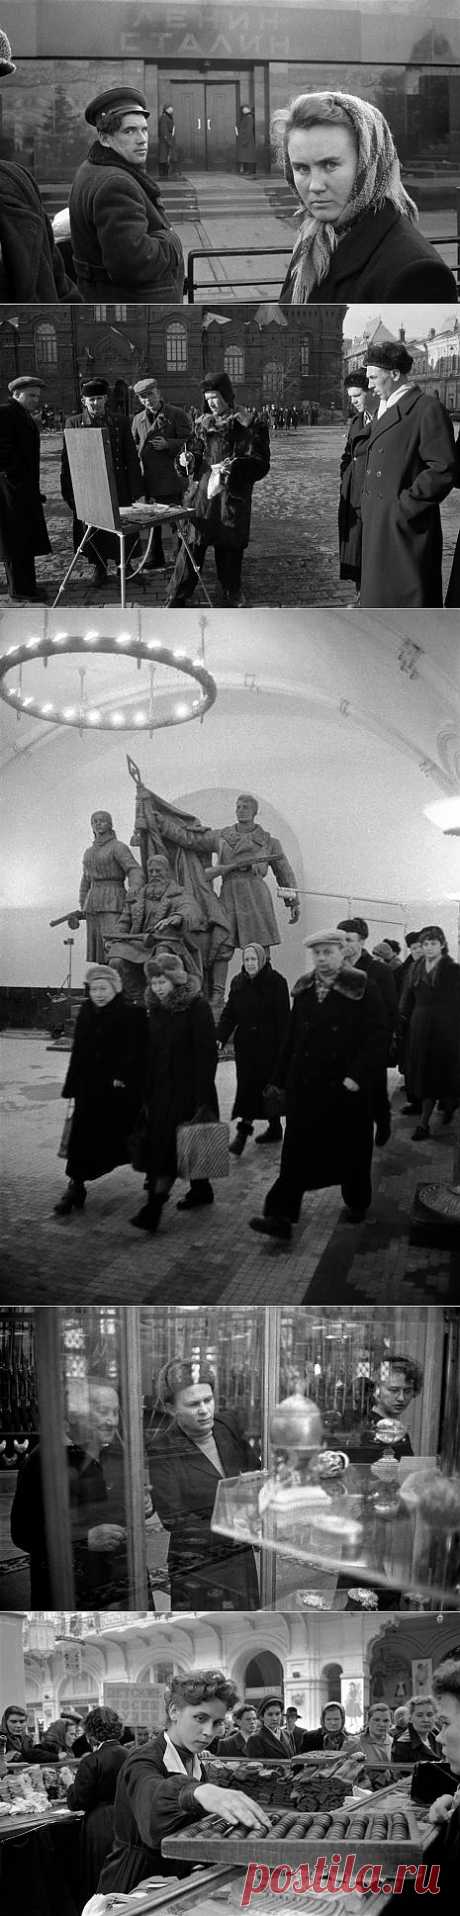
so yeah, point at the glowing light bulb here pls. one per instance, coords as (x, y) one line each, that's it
(93, 717)
(139, 718)
(180, 655)
(47, 708)
(69, 712)
(58, 637)
(153, 645)
(118, 718)
(28, 700)
(90, 637)
(11, 649)
(124, 638)
(182, 711)
(30, 644)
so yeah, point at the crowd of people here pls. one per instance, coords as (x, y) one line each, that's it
(133, 1793)
(139, 1072)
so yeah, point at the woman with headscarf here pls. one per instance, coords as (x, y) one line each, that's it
(331, 1734)
(180, 1087)
(256, 1015)
(14, 1734)
(431, 1018)
(106, 1079)
(358, 234)
(191, 1449)
(58, 1739)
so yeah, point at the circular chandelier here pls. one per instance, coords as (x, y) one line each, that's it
(154, 709)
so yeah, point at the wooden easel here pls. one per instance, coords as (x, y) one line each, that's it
(94, 487)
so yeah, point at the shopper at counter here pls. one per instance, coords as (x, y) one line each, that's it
(331, 1734)
(445, 1811)
(244, 1726)
(93, 1790)
(188, 1453)
(163, 1784)
(270, 1739)
(418, 1741)
(19, 1746)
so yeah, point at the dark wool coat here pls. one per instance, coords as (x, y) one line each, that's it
(382, 257)
(409, 1747)
(257, 1014)
(128, 475)
(31, 268)
(97, 1496)
(123, 245)
(384, 980)
(264, 1743)
(149, 1804)
(166, 136)
(342, 1037)
(22, 523)
(233, 1745)
(93, 1790)
(181, 1069)
(162, 479)
(109, 1043)
(207, 1572)
(432, 1052)
(352, 469)
(245, 140)
(244, 438)
(410, 468)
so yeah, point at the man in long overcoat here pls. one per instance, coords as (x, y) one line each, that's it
(166, 138)
(128, 474)
(23, 531)
(334, 1048)
(410, 468)
(228, 454)
(123, 245)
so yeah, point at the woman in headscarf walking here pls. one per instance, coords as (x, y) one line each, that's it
(256, 1015)
(106, 1078)
(180, 1088)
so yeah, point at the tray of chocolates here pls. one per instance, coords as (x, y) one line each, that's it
(387, 1836)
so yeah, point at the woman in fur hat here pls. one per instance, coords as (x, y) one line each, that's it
(358, 234)
(106, 1079)
(228, 454)
(181, 1071)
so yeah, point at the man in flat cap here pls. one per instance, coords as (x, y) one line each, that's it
(123, 245)
(228, 452)
(410, 468)
(23, 531)
(96, 412)
(31, 268)
(159, 432)
(361, 405)
(334, 1049)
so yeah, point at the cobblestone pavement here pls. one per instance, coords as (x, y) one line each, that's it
(292, 557)
(211, 1256)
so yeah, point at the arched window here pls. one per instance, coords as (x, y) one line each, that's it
(46, 351)
(273, 379)
(234, 364)
(176, 348)
(304, 357)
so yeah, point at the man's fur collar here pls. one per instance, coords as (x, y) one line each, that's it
(350, 983)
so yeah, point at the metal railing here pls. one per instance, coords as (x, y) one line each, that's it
(192, 285)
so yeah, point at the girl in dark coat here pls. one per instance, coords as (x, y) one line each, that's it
(270, 1739)
(181, 1069)
(106, 1079)
(229, 453)
(163, 1785)
(358, 235)
(93, 1790)
(431, 1016)
(335, 1047)
(188, 1454)
(257, 1014)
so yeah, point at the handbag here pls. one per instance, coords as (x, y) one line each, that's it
(203, 1150)
(63, 1147)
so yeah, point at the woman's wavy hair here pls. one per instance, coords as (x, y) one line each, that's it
(377, 178)
(103, 1725)
(200, 1687)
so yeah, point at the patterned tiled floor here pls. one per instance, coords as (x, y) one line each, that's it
(211, 1256)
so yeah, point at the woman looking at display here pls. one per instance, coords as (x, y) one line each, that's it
(190, 1451)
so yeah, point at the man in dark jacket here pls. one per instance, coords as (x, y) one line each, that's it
(31, 268)
(352, 469)
(228, 454)
(235, 1743)
(410, 468)
(23, 531)
(335, 1046)
(128, 474)
(159, 431)
(166, 138)
(123, 245)
(356, 931)
(95, 1466)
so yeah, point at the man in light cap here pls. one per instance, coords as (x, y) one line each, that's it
(23, 532)
(410, 468)
(335, 1042)
(31, 268)
(128, 474)
(159, 431)
(123, 245)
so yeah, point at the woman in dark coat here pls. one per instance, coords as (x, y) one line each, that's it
(163, 1785)
(431, 1018)
(228, 454)
(410, 468)
(189, 1453)
(180, 1087)
(418, 1743)
(257, 1015)
(106, 1079)
(23, 532)
(358, 237)
(93, 1791)
(352, 469)
(246, 141)
(122, 243)
(335, 1047)
(270, 1739)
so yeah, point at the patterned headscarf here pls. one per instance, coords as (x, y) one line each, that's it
(377, 178)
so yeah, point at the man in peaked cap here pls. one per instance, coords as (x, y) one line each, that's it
(334, 1048)
(23, 532)
(95, 411)
(159, 432)
(410, 468)
(123, 245)
(31, 268)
